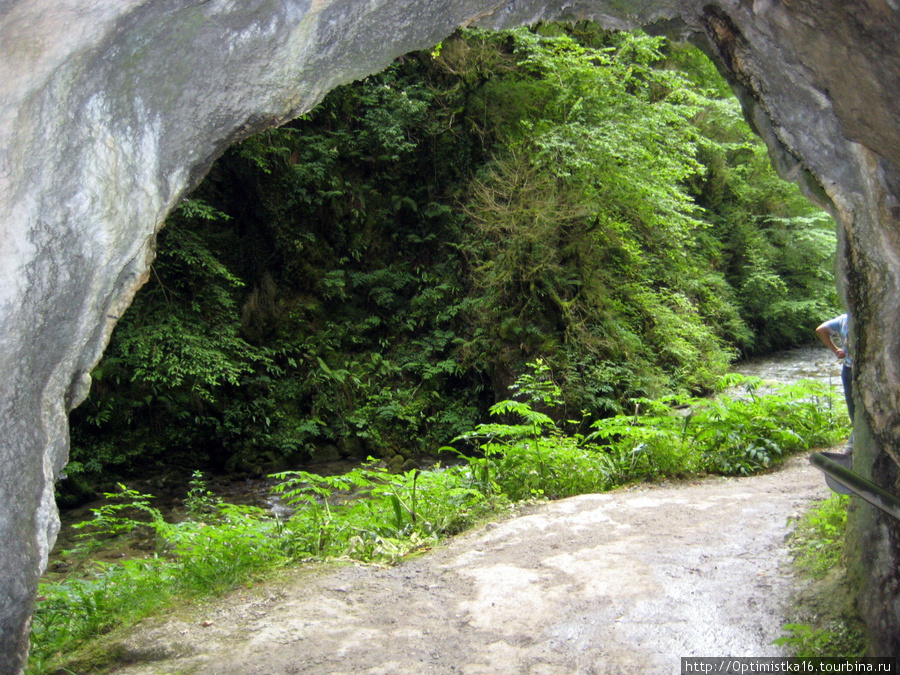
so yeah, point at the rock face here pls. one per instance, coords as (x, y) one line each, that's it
(111, 110)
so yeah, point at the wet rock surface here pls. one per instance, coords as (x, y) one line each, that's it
(624, 582)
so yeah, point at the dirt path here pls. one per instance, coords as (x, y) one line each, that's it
(624, 582)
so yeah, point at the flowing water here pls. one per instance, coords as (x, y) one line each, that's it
(803, 363)
(809, 363)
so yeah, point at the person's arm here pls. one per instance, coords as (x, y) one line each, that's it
(824, 333)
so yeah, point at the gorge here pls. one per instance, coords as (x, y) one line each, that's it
(110, 112)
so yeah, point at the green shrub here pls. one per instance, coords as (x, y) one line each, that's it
(532, 456)
(371, 514)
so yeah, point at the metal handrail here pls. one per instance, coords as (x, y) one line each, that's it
(860, 486)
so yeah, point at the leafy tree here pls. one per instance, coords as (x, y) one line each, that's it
(583, 223)
(775, 249)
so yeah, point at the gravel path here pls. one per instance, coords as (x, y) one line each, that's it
(617, 583)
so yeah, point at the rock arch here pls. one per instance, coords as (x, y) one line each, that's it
(112, 110)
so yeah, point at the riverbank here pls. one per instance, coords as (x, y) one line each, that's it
(623, 582)
(737, 436)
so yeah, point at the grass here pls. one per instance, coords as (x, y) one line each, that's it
(818, 539)
(832, 627)
(196, 558)
(373, 515)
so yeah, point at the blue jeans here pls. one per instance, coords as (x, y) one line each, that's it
(847, 381)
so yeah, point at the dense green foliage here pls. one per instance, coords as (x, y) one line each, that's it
(371, 514)
(733, 433)
(369, 279)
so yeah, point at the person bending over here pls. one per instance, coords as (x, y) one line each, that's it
(838, 328)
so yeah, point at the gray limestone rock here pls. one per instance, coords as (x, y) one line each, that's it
(112, 110)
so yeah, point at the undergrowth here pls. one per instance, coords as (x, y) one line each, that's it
(819, 536)
(373, 515)
(834, 630)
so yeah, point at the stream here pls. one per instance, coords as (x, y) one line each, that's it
(803, 363)
(811, 363)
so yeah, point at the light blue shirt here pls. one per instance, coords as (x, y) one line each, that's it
(840, 327)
